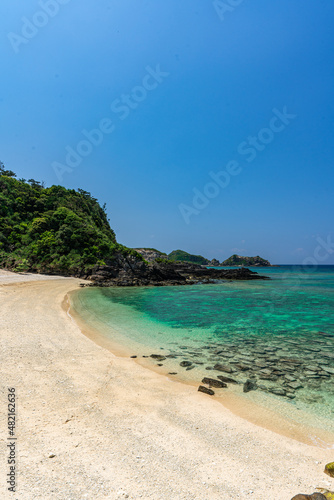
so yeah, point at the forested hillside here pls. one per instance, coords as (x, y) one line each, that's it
(52, 230)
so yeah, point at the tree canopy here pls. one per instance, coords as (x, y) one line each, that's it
(52, 230)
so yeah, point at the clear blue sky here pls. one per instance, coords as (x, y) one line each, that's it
(180, 89)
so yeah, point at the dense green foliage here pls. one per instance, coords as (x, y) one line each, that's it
(52, 230)
(187, 257)
(238, 260)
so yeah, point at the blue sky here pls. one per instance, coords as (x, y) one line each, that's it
(179, 90)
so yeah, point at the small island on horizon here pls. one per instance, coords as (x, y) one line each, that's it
(152, 254)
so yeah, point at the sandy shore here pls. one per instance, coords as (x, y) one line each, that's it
(118, 430)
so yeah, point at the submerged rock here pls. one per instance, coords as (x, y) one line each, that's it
(212, 382)
(272, 378)
(227, 379)
(242, 367)
(223, 368)
(328, 369)
(201, 388)
(295, 385)
(158, 357)
(249, 385)
(184, 364)
(277, 390)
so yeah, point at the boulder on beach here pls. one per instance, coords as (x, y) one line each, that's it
(329, 469)
(314, 496)
(206, 390)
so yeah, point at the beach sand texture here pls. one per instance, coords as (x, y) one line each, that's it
(119, 430)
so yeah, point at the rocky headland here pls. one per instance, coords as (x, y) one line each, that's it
(131, 271)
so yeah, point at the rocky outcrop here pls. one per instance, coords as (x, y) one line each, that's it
(150, 254)
(130, 270)
(214, 262)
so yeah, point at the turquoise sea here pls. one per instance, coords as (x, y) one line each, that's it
(278, 333)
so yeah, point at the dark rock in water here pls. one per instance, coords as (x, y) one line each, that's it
(242, 367)
(260, 364)
(160, 364)
(172, 373)
(190, 368)
(313, 368)
(184, 364)
(328, 369)
(249, 385)
(314, 496)
(223, 368)
(227, 379)
(158, 357)
(133, 356)
(211, 382)
(291, 361)
(267, 371)
(206, 390)
(295, 385)
(209, 368)
(132, 271)
(277, 390)
(272, 378)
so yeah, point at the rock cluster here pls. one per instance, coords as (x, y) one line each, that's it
(126, 270)
(301, 368)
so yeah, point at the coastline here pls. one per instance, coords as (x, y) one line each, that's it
(118, 429)
(272, 416)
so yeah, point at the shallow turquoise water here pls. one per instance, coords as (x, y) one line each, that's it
(262, 326)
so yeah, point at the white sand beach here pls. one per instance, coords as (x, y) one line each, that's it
(118, 430)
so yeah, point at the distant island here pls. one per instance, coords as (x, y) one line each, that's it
(54, 230)
(238, 260)
(151, 254)
(180, 255)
